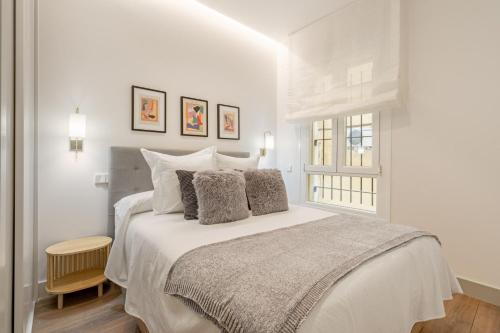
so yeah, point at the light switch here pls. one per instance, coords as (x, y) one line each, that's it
(101, 178)
(290, 168)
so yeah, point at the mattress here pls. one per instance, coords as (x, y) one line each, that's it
(387, 294)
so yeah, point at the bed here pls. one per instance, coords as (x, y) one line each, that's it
(387, 294)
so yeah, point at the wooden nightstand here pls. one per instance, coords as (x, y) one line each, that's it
(75, 265)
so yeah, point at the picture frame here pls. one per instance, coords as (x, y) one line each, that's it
(228, 122)
(194, 117)
(149, 110)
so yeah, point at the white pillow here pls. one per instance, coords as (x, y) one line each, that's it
(167, 193)
(153, 158)
(238, 163)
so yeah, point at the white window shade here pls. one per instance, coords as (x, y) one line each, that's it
(348, 61)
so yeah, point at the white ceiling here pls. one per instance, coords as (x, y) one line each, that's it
(275, 18)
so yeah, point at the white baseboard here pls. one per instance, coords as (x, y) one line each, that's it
(42, 293)
(488, 294)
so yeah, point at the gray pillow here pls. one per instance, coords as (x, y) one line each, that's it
(266, 191)
(188, 194)
(221, 196)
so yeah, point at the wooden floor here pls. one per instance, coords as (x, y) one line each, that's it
(84, 312)
(464, 315)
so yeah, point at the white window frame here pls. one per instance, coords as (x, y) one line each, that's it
(381, 157)
(323, 168)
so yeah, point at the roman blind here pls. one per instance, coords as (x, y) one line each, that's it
(348, 61)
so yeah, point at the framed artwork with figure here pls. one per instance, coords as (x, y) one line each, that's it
(228, 122)
(194, 117)
(149, 110)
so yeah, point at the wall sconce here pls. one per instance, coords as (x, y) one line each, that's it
(268, 143)
(76, 131)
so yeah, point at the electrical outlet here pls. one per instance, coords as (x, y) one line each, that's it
(101, 178)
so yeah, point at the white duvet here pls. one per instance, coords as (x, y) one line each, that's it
(385, 295)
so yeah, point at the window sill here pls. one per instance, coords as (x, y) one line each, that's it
(311, 170)
(343, 210)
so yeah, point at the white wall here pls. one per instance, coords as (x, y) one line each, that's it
(445, 148)
(446, 145)
(92, 51)
(288, 135)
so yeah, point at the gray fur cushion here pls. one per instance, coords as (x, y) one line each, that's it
(221, 196)
(266, 191)
(188, 194)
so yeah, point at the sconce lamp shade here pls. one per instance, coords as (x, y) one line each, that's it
(77, 124)
(269, 140)
(268, 143)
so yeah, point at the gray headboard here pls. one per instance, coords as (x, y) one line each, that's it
(129, 172)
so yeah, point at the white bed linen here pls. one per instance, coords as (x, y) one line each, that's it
(386, 295)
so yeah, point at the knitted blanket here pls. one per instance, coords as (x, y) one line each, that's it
(269, 282)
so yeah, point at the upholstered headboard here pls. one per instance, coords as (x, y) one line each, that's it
(129, 172)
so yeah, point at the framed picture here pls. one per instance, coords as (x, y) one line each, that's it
(149, 110)
(228, 122)
(194, 116)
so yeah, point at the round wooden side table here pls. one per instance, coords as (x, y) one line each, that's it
(75, 265)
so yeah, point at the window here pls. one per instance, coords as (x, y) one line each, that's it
(322, 143)
(358, 132)
(343, 166)
(347, 191)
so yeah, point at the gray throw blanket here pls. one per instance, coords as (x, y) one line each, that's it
(269, 282)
